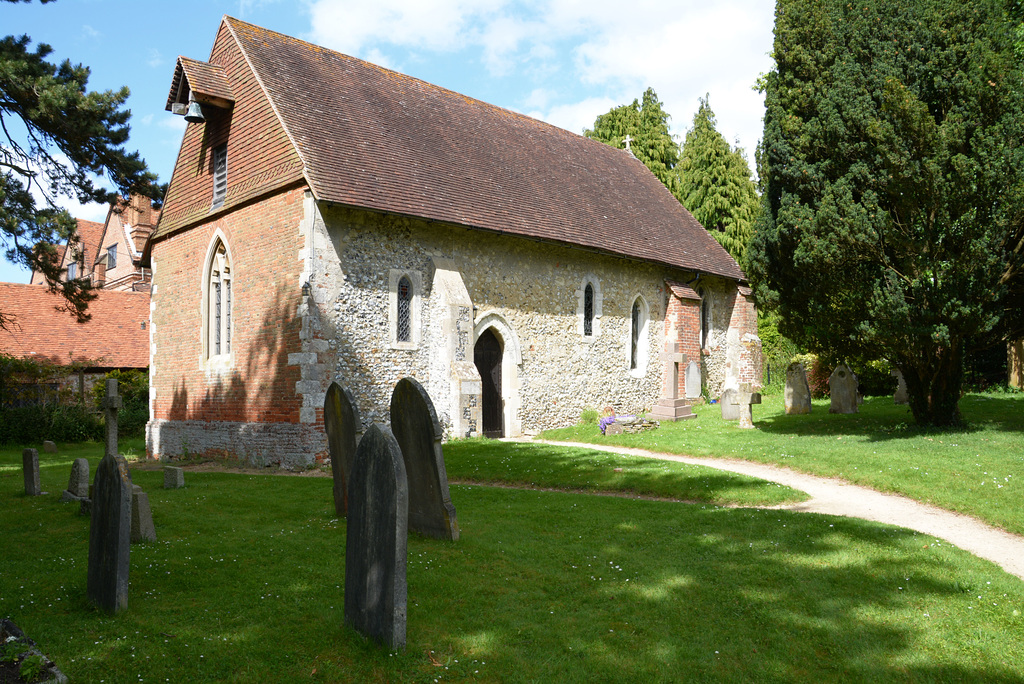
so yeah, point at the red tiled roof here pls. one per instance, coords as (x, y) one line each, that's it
(376, 139)
(208, 82)
(89, 235)
(116, 337)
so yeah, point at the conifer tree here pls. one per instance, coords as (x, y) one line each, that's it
(57, 137)
(716, 186)
(646, 123)
(893, 210)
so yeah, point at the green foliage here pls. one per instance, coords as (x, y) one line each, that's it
(894, 186)
(777, 350)
(32, 667)
(716, 186)
(11, 651)
(646, 124)
(589, 415)
(57, 138)
(133, 388)
(36, 403)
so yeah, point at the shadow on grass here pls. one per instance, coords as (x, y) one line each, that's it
(880, 420)
(246, 584)
(580, 469)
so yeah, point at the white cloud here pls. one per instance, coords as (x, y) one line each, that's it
(575, 116)
(155, 58)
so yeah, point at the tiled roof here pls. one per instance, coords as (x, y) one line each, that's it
(116, 337)
(376, 139)
(89, 235)
(208, 82)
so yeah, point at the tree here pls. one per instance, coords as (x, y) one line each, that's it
(894, 157)
(716, 186)
(646, 124)
(59, 137)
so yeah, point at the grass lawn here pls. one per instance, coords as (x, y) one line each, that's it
(977, 470)
(246, 584)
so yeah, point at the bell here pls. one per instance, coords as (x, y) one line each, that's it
(194, 113)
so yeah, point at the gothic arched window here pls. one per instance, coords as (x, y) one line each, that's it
(404, 322)
(217, 323)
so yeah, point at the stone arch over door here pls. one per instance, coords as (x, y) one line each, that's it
(494, 324)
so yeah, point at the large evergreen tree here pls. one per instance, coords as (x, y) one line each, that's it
(716, 186)
(894, 156)
(646, 123)
(58, 137)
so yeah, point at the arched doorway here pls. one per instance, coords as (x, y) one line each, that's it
(487, 355)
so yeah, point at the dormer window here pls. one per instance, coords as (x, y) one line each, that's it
(220, 175)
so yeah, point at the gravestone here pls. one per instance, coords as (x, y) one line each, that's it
(78, 483)
(376, 538)
(142, 517)
(744, 398)
(174, 477)
(49, 447)
(730, 409)
(418, 433)
(693, 382)
(797, 393)
(30, 468)
(671, 406)
(901, 396)
(843, 390)
(110, 527)
(341, 421)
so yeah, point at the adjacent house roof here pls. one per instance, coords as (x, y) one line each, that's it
(376, 139)
(90, 233)
(116, 337)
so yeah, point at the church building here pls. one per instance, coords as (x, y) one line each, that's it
(332, 220)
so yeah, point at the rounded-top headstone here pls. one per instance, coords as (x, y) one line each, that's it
(418, 432)
(341, 422)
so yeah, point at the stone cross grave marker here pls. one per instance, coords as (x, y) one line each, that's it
(415, 426)
(797, 395)
(842, 386)
(142, 517)
(341, 422)
(671, 406)
(730, 409)
(744, 398)
(78, 483)
(110, 527)
(30, 468)
(174, 477)
(376, 539)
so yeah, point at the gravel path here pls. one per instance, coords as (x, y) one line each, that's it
(837, 497)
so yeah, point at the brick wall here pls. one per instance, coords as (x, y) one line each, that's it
(258, 385)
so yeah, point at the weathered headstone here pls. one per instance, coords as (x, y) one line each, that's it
(730, 409)
(30, 468)
(110, 527)
(843, 390)
(671, 406)
(901, 396)
(693, 381)
(341, 421)
(744, 399)
(797, 395)
(78, 483)
(174, 477)
(49, 447)
(418, 432)
(142, 517)
(376, 539)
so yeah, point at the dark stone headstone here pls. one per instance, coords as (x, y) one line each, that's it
(49, 447)
(730, 409)
(341, 421)
(174, 477)
(30, 468)
(376, 538)
(142, 517)
(110, 535)
(78, 483)
(418, 432)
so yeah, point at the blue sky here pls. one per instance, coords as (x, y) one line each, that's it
(562, 61)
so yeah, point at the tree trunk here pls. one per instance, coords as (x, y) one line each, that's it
(934, 380)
